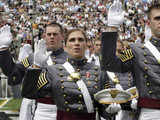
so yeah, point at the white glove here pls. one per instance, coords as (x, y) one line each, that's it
(25, 51)
(119, 87)
(113, 108)
(134, 104)
(40, 53)
(115, 14)
(5, 36)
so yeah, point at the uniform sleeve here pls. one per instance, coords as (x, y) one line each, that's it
(33, 81)
(37, 83)
(105, 83)
(109, 60)
(14, 72)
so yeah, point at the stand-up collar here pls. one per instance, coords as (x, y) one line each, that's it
(155, 41)
(77, 62)
(57, 52)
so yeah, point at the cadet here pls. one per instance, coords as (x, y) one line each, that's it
(141, 59)
(15, 72)
(73, 83)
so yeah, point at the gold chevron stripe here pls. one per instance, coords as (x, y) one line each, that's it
(25, 62)
(42, 80)
(127, 55)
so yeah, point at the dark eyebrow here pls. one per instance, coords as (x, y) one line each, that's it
(157, 18)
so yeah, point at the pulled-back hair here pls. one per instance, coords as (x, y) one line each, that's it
(74, 30)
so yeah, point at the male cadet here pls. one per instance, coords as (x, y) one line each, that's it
(95, 56)
(15, 72)
(143, 60)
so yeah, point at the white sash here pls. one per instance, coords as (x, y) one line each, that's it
(83, 88)
(153, 50)
(112, 76)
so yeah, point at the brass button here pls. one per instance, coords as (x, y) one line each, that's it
(54, 62)
(145, 61)
(54, 57)
(79, 102)
(66, 102)
(62, 87)
(150, 92)
(79, 108)
(80, 96)
(142, 46)
(61, 75)
(60, 68)
(145, 76)
(96, 74)
(96, 79)
(14, 78)
(64, 95)
(96, 68)
(155, 41)
(129, 85)
(145, 68)
(148, 84)
(79, 89)
(67, 109)
(145, 53)
(62, 81)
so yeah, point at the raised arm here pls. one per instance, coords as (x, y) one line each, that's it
(109, 60)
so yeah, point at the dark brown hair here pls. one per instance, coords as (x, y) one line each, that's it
(154, 5)
(74, 30)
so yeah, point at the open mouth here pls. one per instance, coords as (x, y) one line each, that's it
(77, 49)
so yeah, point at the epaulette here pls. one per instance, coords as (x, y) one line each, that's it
(25, 62)
(126, 55)
(42, 80)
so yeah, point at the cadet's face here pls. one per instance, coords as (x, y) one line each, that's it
(97, 46)
(155, 22)
(76, 45)
(53, 38)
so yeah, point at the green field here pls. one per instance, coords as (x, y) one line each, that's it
(13, 105)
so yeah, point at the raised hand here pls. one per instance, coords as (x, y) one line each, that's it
(115, 14)
(5, 36)
(40, 54)
(24, 52)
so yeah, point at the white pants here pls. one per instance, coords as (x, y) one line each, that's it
(45, 112)
(26, 110)
(149, 114)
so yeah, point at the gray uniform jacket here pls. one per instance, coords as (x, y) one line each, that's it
(125, 79)
(65, 92)
(16, 71)
(138, 60)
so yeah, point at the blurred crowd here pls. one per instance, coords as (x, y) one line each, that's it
(28, 17)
